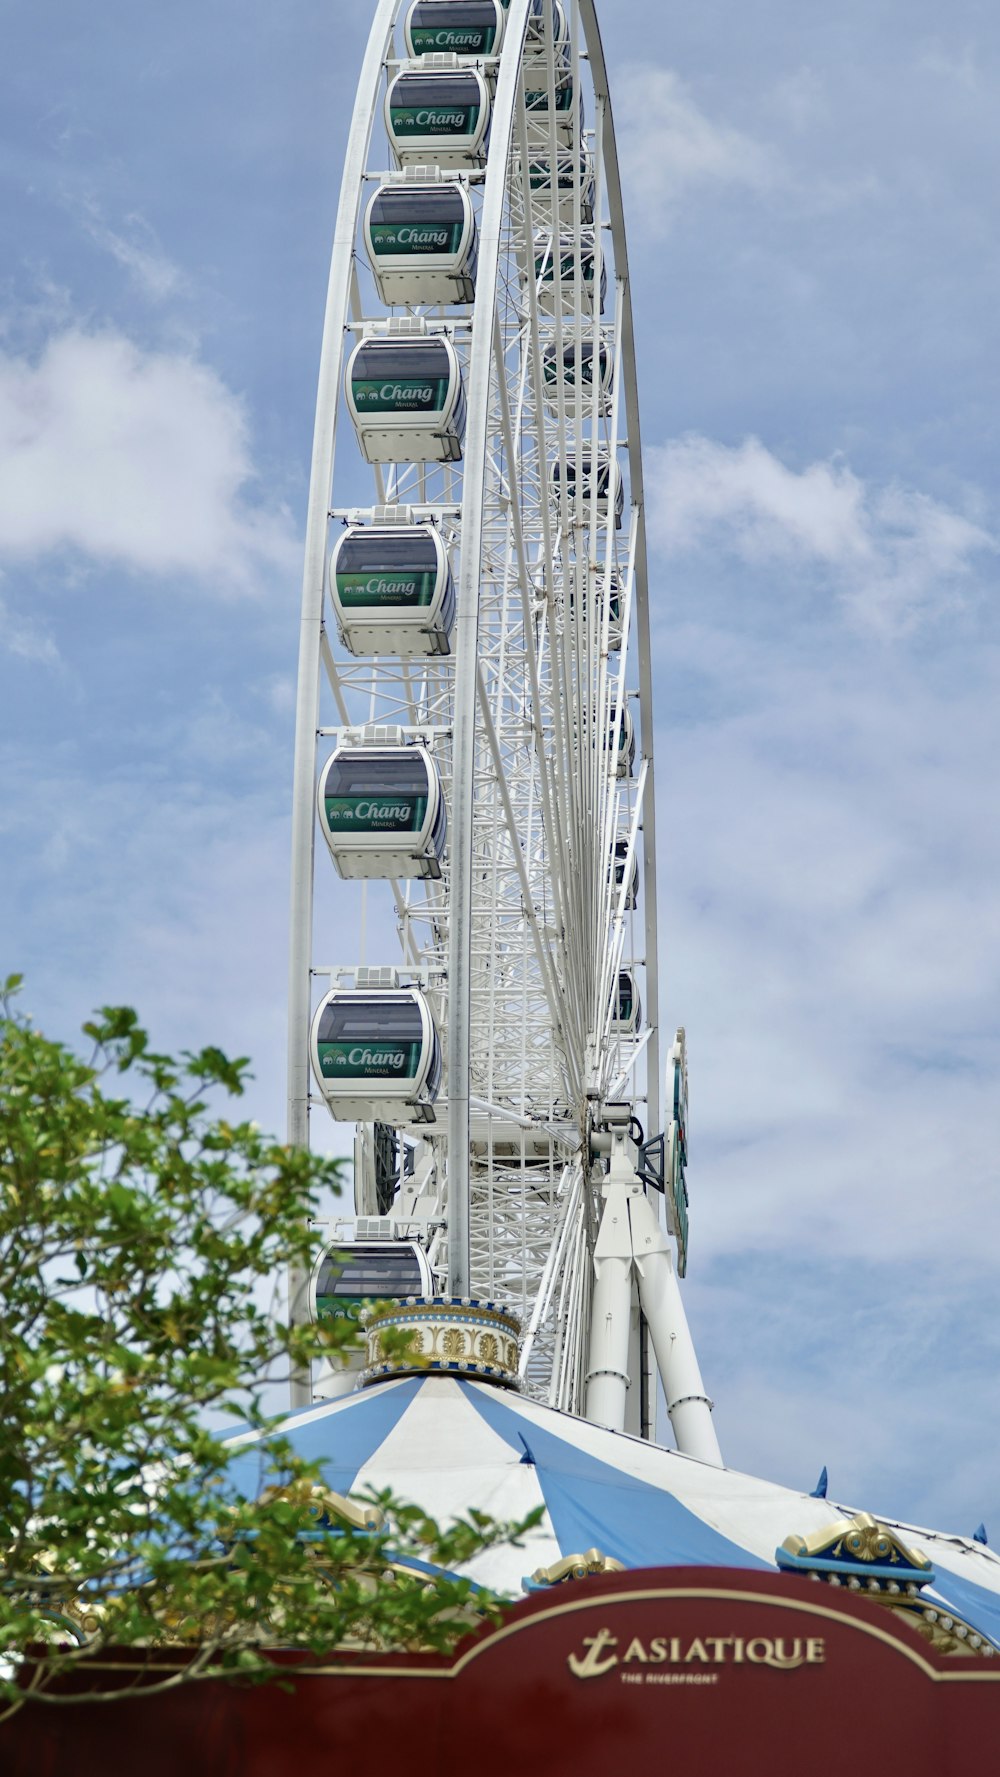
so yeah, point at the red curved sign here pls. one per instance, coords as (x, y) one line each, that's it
(713, 1670)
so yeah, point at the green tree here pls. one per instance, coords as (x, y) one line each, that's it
(138, 1230)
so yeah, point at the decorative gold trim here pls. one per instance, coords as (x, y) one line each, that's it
(895, 1577)
(446, 1335)
(576, 1567)
(451, 1308)
(325, 1503)
(861, 1538)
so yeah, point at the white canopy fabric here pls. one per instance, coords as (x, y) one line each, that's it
(451, 1445)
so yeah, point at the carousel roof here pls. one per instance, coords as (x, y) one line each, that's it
(451, 1445)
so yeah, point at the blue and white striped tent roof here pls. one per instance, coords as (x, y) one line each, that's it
(449, 1446)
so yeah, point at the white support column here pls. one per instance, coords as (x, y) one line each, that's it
(611, 1307)
(688, 1404)
(633, 1403)
(607, 1376)
(630, 1234)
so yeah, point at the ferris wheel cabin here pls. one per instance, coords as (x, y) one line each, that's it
(439, 117)
(376, 1055)
(422, 243)
(625, 757)
(392, 590)
(620, 867)
(536, 105)
(349, 1273)
(382, 812)
(407, 400)
(615, 624)
(627, 1015)
(463, 28)
(564, 473)
(560, 370)
(574, 188)
(567, 279)
(534, 62)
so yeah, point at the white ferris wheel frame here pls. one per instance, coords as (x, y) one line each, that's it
(468, 700)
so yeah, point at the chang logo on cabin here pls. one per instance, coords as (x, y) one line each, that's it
(438, 120)
(389, 237)
(424, 237)
(367, 1061)
(358, 590)
(540, 101)
(545, 267)
(375, 814)
(569, 372)
(690, 1660)
(391, 1058)
(406, 396)
(383, 811)
(425, 38)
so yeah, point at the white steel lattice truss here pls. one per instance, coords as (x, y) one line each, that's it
(520, 943)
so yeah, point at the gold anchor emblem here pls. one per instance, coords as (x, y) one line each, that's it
(591, 1665)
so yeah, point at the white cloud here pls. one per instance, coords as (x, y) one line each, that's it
(23, 638)
(138, 251)
(893, 553)
(669, 147)
(799, 98)
(135, 457)
(834, 946)
(963, 67)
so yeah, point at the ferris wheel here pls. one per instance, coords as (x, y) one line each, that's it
(474, 739)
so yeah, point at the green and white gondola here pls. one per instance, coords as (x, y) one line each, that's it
(349, 1273)
(615, 628)
(574, 188)
(565, 113)
(407, 400)
(626, 1018)
(376, 1054)
(560, 369)
(552, 291)
(439, 117)
(422, 242)
(534, 62)
(620, 866)
(382, 812)
(392, 590)
(625, 757)
(468, 29)
(563, 474)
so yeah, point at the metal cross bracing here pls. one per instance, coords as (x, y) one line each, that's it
(520, 941)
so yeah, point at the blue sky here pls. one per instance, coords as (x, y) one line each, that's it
(815, 260)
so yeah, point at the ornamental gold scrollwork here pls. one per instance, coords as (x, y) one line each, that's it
(869, 1542)
(323, 1502)
(576, 1567)
(861, 1538)
(871, 1561)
